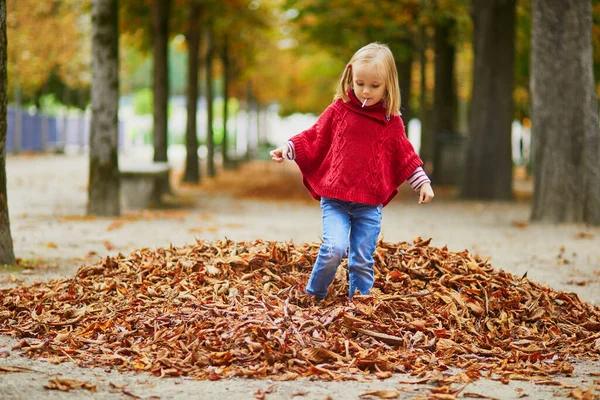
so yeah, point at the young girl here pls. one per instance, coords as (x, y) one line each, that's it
(352, 160)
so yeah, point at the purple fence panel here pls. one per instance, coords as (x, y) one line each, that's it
(40, 133)
(53, 139)
(31, 138)
(10, 133)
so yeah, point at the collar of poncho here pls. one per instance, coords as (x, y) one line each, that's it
(376, 111)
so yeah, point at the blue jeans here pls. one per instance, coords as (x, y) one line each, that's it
(346, 224)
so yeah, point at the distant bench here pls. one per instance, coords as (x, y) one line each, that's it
(140, 183)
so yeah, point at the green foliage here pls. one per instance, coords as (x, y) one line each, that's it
(10, 268)
(143, 102)
(50, 104)
(136, 68)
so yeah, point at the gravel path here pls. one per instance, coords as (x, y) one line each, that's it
(47, 198)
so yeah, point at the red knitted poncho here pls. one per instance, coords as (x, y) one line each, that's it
(355, 154)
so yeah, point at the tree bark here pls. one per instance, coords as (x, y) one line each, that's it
(104, 180)
(488, 168)
(192, 169)
(7, 255)
(427, 138)
(444, 94)
(404, 68)
(210, 157)
(564, 113)
(160, 39)
(226, 72)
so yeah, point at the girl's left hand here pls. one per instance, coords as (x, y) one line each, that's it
(425, 193)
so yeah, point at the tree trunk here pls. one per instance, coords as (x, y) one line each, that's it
(564, 113)
(427, 138)
(488, 168)
(7, 254)
(104, 181)
(404, 68)
(210, 157)
(226, 72)
(192, 169)
(444, 96)
(160, 39)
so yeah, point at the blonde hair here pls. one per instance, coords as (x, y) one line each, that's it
(380, 57)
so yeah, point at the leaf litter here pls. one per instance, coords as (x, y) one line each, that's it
(221, 309)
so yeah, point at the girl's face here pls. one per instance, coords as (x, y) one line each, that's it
(367, 84)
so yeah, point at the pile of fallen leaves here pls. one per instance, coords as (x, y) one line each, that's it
(222, 309)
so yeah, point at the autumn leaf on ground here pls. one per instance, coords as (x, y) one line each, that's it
(7, 368)
(115, 386)
(382, 394)
(117, 224)
(577, 282)
(472, 395)
(579, 394)
(520, 224)
(69, 218)
(51, 245)
(584, 235)
(66, 385)
(109, 246)
(261, 394)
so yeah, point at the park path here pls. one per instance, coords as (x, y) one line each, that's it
(47, 198)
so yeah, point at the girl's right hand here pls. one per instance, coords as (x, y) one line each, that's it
(280, 153)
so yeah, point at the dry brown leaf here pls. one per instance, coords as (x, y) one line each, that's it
(319, 355)
(66, 385)
(580, 394)
(520, 224)
(382, 394)
(472, 395)
(7, 368)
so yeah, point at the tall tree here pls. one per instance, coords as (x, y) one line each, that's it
(226, 82)
(404, 61)
(488, 168)
(210, 157)
(192, 168)
(62, 53)
(564, 113)
(444, 92)
(427, 137)
(104, 182)
(7, 255)
(160, 41)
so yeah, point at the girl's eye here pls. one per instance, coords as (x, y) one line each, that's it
(375, 86)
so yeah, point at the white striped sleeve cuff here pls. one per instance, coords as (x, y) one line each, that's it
(418, 178)
(291, 155)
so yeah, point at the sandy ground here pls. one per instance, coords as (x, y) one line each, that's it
(47, 199)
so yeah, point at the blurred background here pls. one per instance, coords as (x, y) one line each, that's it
(267, 67)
